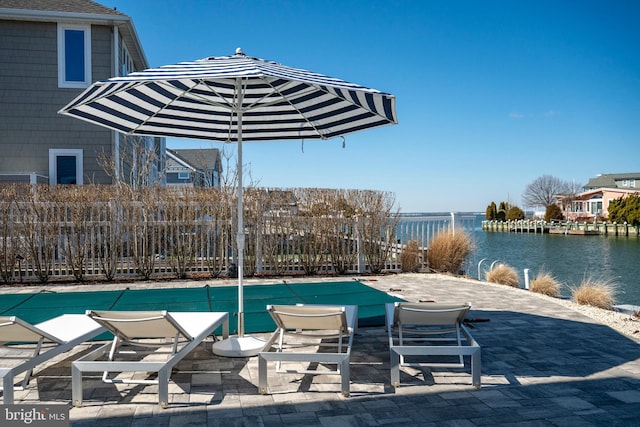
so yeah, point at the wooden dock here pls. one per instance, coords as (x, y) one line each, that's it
(566, 231)
(564, 228)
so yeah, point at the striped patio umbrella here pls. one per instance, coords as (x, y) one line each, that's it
(233, 99)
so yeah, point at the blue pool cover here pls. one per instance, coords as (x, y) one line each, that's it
(40, 306)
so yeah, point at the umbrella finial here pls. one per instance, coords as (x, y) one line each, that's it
(239, 51)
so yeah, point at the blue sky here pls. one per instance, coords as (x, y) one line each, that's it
(490, 94)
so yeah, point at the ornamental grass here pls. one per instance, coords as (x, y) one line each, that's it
(503, 274)
(448, 250)
(598, 293)
(546, 284)
(410, 257)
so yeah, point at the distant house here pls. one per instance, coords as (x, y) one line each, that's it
(283, 202)
(193, 167)
(599, 192)
(626, 181)
(51, 51)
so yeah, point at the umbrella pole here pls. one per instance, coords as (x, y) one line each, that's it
(240, 236)
(239, 346)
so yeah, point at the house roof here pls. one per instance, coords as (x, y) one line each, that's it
(176, 162)
(609, 180)
(199, 158)
(81, 11)
(588, 194)
(73, 6)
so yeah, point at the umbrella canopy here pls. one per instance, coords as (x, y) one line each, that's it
(202, 99)
(233, 99)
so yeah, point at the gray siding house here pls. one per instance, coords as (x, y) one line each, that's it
(626, 181)
(193, 167)
(51, 50)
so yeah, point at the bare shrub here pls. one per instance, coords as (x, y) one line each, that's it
(143, 233)
(216, 228)
(341, 247)
(311, 244)
(277, 243)
(137, 227)
(315, 210)
(503, 274)
(39, 224)
(545, 283)
(335, 224)
(595, 292)
(448, 250)
(410, 257)
(180, 213)
(377, 225)
(109, 244)
(108, 228)
(339, 235)
(74, 208)
(10, 242)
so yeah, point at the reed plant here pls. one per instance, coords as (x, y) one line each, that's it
(596, 292)
(448, 251)
(546, 284)
(503, 274)
(410, 257)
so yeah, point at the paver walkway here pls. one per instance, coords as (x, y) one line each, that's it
(542, 364)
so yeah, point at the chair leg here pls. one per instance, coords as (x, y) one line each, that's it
(163, 387)
(476, 369)
(112, 354)
(76, 386)
(262, 375)
(345, 375)
(27, 375)
(7, 389)
(394, 366)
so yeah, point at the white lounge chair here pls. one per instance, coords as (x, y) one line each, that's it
(49, 338)
(300, 326)
(181, 331)
(419, 331)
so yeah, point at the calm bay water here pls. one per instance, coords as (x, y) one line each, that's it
(569, 258)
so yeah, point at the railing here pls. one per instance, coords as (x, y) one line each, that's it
(484, 268)
(424, 227)
(28, 178)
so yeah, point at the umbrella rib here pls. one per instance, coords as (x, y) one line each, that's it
(288, 101)
(165, 104)
(312, 87)
(232, 107)
(225, 104)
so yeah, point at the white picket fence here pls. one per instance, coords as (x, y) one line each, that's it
(202, 246)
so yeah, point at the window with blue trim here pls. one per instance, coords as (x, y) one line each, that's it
(65, 166)
(74, 55)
